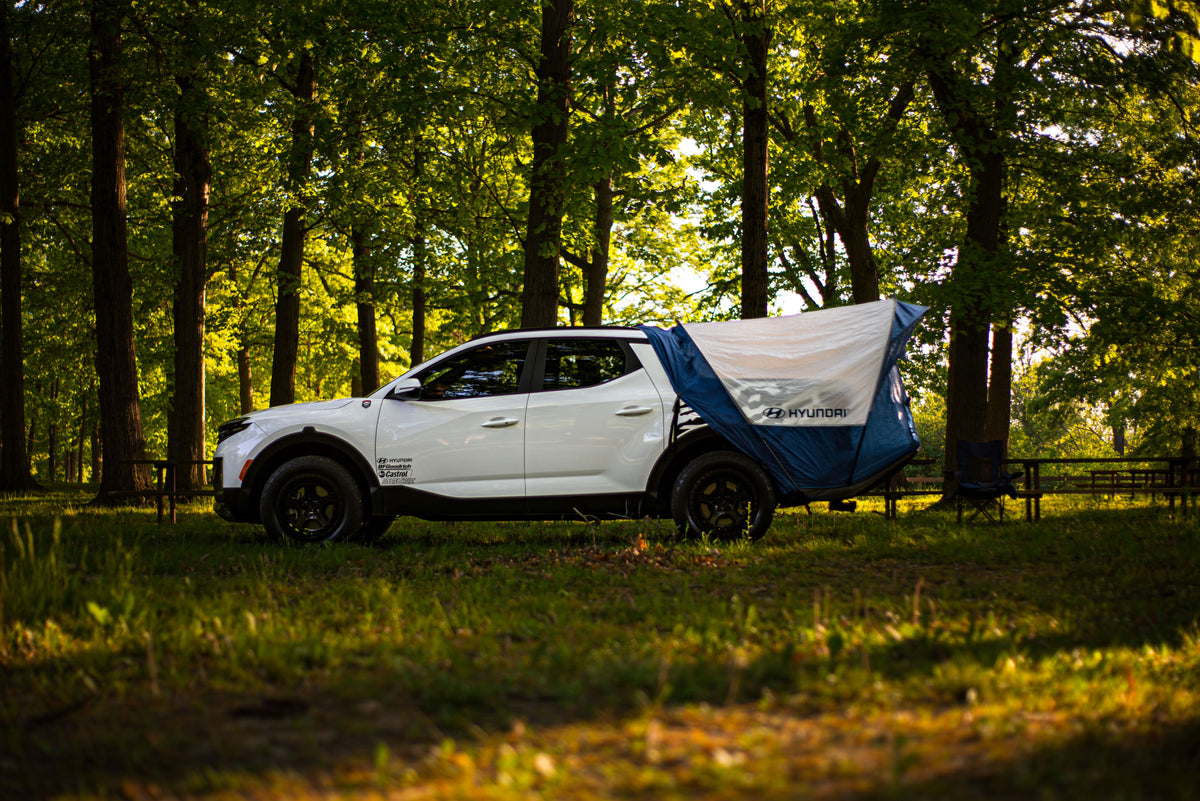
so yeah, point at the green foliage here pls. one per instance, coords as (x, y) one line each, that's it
(421, 130)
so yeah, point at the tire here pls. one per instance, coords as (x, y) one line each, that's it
(724, 495)
(311, 499)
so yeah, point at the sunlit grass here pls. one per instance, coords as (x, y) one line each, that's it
(843, 654)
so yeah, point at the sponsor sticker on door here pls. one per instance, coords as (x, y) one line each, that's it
(395, 470)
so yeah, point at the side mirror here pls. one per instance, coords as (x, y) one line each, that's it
(408, 389)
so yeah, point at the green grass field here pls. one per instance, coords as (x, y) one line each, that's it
(844, 656)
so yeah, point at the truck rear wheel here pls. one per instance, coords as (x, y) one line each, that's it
(725, 495)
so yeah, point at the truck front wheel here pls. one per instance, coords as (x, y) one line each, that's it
(724, 495)
(311, 499)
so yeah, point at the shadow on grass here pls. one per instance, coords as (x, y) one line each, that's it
(1110, 585)
(1162, 764)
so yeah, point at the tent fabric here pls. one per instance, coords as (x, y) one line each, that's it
(816, 397)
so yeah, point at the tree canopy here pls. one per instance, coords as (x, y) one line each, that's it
(306, 198)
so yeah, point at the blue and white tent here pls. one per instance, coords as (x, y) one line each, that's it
(816, 397)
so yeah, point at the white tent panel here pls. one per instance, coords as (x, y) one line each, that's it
(819, 368)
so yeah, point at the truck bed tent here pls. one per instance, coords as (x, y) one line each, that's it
(816, 397)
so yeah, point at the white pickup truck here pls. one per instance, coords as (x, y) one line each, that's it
(588, 424)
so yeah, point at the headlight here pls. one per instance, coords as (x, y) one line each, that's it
(227, 430)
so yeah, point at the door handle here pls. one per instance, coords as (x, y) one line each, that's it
(500, 422)
(634, 411)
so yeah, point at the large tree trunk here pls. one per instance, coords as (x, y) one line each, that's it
(975, 269)
(416, 350)
(121, 433)
(597, 265)
(14, 459)
(420, 247)
(291, 256)
(539, 297)
(852, 220)
(52, 435)
(364, 301)
(967, 393)
(189, 228)
(245, 381)
(1000, 385)
(755, 192)
(83, 430)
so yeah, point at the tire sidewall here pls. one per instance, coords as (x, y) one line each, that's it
(332, 478)
(752, 476)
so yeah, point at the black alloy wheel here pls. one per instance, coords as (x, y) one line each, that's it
(724, 495)
(312, 499)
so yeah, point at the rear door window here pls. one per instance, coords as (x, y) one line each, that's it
(579, 363)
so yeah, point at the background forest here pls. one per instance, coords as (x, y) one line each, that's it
(209, 206)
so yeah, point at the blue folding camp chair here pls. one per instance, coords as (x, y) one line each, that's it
(981, 483)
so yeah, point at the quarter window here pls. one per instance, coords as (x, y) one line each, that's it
(492, 369)
(576, 363)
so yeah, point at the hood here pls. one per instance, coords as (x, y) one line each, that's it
(293, 412)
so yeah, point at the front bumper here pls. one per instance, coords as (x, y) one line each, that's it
(231, 503)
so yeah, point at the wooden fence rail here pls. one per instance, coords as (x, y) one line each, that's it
(1170, 476)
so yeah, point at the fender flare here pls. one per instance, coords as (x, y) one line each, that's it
(672, 460)
(309, 441)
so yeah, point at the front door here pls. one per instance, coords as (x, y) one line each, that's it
(464, 435)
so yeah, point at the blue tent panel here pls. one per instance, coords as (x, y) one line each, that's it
(806, 463)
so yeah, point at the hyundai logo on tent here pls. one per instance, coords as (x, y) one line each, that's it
(816, 397)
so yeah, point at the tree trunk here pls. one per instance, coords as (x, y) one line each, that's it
(755, 191)
(416, 351)
(975, 268)
(364, 301)
(597, 266)
(189, 228)
(52, 435)
(1000, 385)
(245, 381)
(83, 430)
(14, 459)
(420, 247)
(291, 256)
(97, 453)
(539, 297)
(116, 360)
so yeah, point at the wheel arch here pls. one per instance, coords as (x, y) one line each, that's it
(675, 458)
(308, 442)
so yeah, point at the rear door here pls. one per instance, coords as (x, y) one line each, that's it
(594, 421)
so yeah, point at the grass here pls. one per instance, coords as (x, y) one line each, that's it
(844, 656)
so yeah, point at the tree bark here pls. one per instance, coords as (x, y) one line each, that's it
(245, 381)
(543, 238)
(597, 266)
(52, 435)
(291, 256)
(14, 459)
(189, 228)
(999, 405)
(416, 350)
(83, 429)
(755, 191)
(116, 359)
(364, 301)
(420, 247)
(971, 316)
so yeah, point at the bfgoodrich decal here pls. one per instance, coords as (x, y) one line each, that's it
(395, 470)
